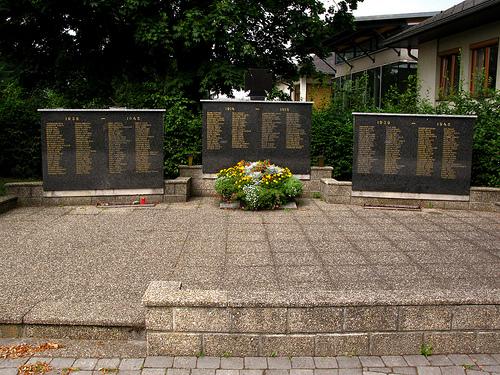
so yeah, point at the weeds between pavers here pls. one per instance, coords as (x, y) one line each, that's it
(426, 349)
(69, 370)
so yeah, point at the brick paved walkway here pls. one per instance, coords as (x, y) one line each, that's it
(452, 364)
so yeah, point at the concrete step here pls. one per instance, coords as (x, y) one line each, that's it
(74, 320)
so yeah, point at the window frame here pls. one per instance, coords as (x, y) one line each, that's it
(486, 44)
(455, 54)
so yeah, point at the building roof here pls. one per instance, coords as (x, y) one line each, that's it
(463, 16)
(326, 65)
(384, 17)
(380, 26)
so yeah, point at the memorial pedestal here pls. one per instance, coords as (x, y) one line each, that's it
(203, 184)
(480, 198)
(32, 194)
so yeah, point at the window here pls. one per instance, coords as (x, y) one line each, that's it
(449, 73)
(379, 80)
(396, 75)
(484, 65)
(296, 93)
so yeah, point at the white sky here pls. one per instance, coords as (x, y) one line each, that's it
(376, 7)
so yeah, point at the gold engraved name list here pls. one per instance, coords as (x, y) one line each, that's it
(450, 147)
(143, 151)
(239, 129)
(83, 146)
(215, 121)
(55, 147)
(393, 143)
(366, 151)
(117, 158)
(425, 151)
(294, 132)
(269, 135)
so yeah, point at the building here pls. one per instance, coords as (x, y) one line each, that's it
(361, 51)
(313, 89)
(457, 48)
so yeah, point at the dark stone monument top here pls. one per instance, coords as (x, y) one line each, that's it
(258, 82)
(412, 154)
(102, 149)
(256, 130)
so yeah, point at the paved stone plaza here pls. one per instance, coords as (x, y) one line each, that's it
(87, 254)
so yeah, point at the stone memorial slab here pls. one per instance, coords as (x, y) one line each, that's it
(415, 156)
(102, 150)
(256, 130)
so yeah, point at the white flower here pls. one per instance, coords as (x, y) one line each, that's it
(251, 196)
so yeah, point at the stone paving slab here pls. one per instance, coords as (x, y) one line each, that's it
(346, 365)
(58, 262)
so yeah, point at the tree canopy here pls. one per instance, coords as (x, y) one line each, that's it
(97, 49)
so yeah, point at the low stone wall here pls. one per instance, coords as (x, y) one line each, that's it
(481, 198)
(322, 323)
(203, 185)
(31, 194)
(7, 202)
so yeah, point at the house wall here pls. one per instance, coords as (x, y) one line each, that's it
(428, 64)
(427, 69)
(319, 94)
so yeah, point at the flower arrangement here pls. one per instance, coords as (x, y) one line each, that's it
(259, 184)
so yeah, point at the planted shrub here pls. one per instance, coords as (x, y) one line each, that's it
(226, 187)
(259, 185)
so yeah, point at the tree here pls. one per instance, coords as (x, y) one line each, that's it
(89, 49)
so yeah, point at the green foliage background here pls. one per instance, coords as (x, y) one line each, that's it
(332, 132)
(146, 54)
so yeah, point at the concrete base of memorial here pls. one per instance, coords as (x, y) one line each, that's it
(480, 198)
(32, 194)
(202, 185)
(194, 183)
(319, 323)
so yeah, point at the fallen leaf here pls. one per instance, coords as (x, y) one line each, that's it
(25, 350)
(35, 368)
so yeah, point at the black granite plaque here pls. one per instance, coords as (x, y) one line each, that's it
(102, 149)
(412, 153)
(256, 130)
